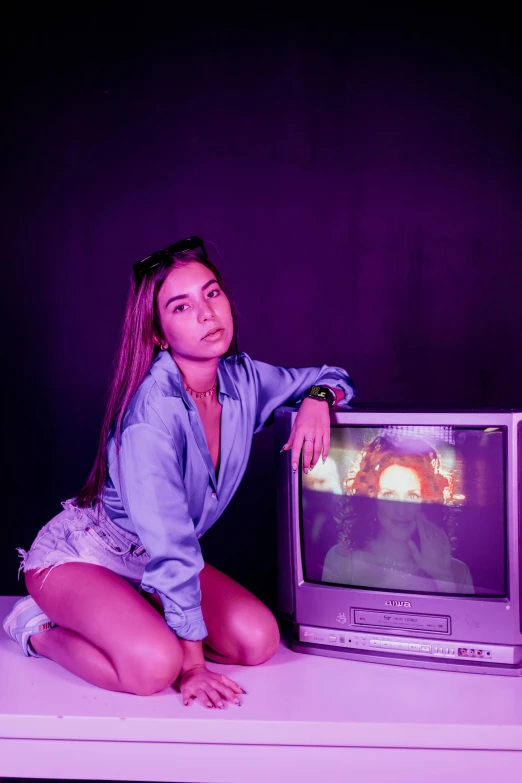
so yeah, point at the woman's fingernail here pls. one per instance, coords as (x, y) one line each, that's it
(243, 690)
(305, 470)
(294, 467)
(284, 447)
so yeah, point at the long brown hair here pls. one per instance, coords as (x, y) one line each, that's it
(137, 350)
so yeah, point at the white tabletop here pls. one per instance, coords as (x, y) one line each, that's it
(293, 700)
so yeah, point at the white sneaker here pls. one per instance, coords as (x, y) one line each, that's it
(25, 619)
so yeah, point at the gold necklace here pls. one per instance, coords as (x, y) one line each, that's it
(197, 394)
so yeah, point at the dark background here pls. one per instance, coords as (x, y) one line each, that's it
(358, 174)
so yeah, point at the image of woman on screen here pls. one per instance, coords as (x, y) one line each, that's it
(392, 525)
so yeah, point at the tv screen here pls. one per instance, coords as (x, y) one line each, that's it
(408, 509)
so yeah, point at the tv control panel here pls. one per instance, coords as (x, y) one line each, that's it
(413, 622)
(400, 645)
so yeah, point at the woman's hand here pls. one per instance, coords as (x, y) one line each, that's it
(210, 688)
(435, 553)
(311, 432)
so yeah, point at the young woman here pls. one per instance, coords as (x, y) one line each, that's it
(133, 607)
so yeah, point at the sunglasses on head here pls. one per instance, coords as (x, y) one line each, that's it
(155, 259)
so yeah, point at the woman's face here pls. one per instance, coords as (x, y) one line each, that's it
(195, 314)
(399, 493)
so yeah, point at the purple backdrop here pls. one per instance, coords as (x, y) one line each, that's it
(361, 179)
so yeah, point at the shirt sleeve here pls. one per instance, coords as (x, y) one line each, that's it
(155, 500)
(277, 386)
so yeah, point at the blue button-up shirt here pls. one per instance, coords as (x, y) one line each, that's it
(165, 488)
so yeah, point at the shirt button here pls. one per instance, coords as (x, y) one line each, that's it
(214, 495)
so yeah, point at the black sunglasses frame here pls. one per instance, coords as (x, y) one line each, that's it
(144, 265)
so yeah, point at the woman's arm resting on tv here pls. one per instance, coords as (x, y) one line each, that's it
(274, 386)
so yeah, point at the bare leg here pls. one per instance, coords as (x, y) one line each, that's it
(78, 656)
(115, 638)
(107, 633)
(241, 629)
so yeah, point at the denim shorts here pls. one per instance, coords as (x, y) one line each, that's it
(86, 535)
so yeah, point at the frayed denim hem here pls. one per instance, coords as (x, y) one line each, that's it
(60, 558)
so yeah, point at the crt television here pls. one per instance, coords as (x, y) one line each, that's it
(403, 547)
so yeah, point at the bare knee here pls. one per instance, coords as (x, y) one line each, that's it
(148, 668)
(257, 637)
